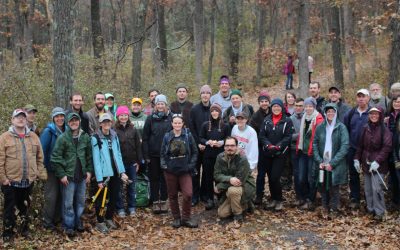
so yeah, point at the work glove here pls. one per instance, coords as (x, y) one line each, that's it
(397, 164)
(374, 167)
(357, 166)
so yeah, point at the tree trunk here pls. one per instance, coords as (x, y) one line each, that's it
(63, 57)
(97, 36)
(155, 55)
(233, 37)
(198, 30)
(394, 57)
(262, 12)
(19, 42)
(336, 49)
(212, 40)
(139, 36)
(349, 40)
(303, 34)
(162, 35)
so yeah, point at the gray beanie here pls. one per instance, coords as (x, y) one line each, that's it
(310, 101)
(57, 111)
(161, 98)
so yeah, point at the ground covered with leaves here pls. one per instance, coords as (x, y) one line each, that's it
(290, 229)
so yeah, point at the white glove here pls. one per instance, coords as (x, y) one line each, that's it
(357, 166)
(374, 167)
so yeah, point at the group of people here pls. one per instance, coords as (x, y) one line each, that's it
(218, 151)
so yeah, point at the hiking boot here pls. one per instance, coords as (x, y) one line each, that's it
(80, 228)
(278, 206)
(156, 207)
(163, 207)
(210, 204)
(195, 201)
(380, 218)
(308, 205)
(298, 203)
(132, 213)
(258, 200)
(111, 225)
(354, 204)
(333, 213)
(238, 218)
(102, 228)
(189, 223)
(270, 205)
(121, 214)
(176, 223)
(69, 232)
(250, 207)
(8, 239)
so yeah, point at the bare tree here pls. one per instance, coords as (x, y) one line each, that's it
(138, 39)
(233, 37)
(198, 27)
(349, 39)
(303, 34)
(97, 36)
(162, 35)
(212, 40)
(63, 57)
(394, 57)
(336, 47)
(262, 12)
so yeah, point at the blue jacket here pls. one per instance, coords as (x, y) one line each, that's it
(355, 124)
(48, 139)
(102, 158)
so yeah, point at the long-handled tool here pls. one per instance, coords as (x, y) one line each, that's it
(94, 198)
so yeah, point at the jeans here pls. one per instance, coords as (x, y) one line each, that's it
(354, 182)
(130, 171)
(52, 200)
(73, 202)
(289, 81)
(184, 184)
(305, 177)
(295, 163)
(158, 187)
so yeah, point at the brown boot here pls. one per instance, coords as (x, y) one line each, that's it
(156, 207)
(163, 207)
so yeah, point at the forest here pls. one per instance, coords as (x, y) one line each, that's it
(51, 48)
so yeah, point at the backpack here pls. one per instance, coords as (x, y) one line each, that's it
(99, 142)
(179, 165)
(142, 190)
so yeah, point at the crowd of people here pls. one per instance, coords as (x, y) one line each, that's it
(218, 151)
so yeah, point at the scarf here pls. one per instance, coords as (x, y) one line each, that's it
(328, 140)
(305, 117)
(237, 110)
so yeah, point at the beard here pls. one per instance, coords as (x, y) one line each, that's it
(99, 106)
(376, 96)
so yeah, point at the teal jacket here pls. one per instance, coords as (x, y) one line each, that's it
(340, 146)
(65, 154)
(138, 121)
(102, 158)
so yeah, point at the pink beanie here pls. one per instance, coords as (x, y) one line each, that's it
(122, 110)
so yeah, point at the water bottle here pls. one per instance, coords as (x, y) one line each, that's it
(321, 176)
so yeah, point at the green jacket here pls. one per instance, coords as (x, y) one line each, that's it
(238, 167)
(65, 154)
(138, 122)
(340, 146)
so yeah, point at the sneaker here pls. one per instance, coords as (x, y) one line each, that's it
(69, 232)
(238, 218)
(121, 214)
(163, 207)
(210, 204)
(80, 228)
(380, 218)
(308, 205)
(102, 228)
(195, 201)
(333, 213)
(156, 207)
(278, 206)
(354, 204)
(132, 213)
(176, 223)
(111, 225)
(258, 200)
(270, 205)
(298, 203)
(189, 223)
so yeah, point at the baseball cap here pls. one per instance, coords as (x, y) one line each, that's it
(363, 91)
(242, 114)
(334, 88)
(30, 107)
(104, 117)
(374, 109)
(108, 95)
(136, 99)
(18, 112)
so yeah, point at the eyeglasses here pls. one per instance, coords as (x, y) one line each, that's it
(177, 115)
(299, 106)
(230, 145)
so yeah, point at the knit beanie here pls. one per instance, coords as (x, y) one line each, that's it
(161, 98)
(264, 95)
(216, 107)
(224, 79)
(57, 111)
(277, 101)
(122, 110)
(310, 101)
(181, 86)
(205, 89)
(236, 92)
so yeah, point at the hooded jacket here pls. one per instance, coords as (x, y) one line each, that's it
(66, 153)
(198, 115)
(48, 140)
(131, 147)
(11, 158)
(340, 146)
(138, 121)
(257, 119)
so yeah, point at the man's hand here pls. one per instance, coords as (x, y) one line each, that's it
(124, 177)
(357, 166)
(64, 181)
(6, 182)
(100, 185)
(201, 147)
(88, 177)
(328, 167)
(136, 167)
(232, 119)
(235, 182)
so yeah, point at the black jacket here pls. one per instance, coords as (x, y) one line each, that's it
(277, 135)
(258, 118)
(129, 140)
(185, 112)
(219, 131)
(198, 115)
(154, 130)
